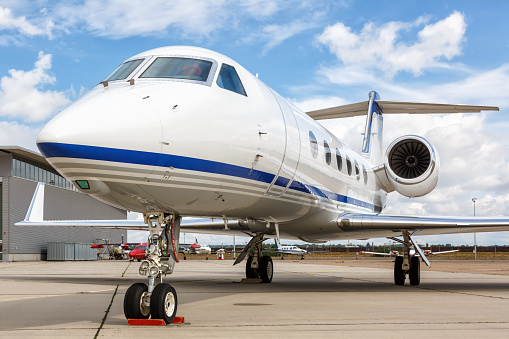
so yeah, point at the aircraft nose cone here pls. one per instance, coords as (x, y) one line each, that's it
(111, 119)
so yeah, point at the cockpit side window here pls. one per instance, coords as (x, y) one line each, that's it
(124, 70)
(229, 79)
(178, 68)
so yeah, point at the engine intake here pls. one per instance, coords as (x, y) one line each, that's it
(411, 166)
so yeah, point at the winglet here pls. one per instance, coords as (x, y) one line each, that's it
(36, 210)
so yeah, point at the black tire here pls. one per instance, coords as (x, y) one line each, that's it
(266, 269)
(399, 274)
(139, 260)
(133, 309)
(415, 271)
(163, 303)
(251, 273)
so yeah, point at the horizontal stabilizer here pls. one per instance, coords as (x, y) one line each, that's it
(395, 107)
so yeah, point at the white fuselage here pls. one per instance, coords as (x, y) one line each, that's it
(291, 250)
(196, 149)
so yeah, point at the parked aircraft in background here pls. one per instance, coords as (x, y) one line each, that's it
(196, 248)
(290, 249)
(139, 252)
(184, 131)
(116, 250)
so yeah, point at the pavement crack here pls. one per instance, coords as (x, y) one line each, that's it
(106, 313)
(126, 269)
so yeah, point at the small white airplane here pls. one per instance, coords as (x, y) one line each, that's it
(291, 249)
(187, 132)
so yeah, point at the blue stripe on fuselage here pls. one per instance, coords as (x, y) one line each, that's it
(59, 150)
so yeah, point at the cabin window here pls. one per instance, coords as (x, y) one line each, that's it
(124, 70)
(348, 165)
(314, 144)
(229, 79)
(327, 152)
(178, 68)
(357, 170)
(339, 160)
(365, 174)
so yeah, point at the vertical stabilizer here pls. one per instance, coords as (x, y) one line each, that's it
(373, 132)
(36, 210)
(278, 245)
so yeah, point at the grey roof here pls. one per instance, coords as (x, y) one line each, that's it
(26, 153)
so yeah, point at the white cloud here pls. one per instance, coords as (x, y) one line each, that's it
(381, 49)
(199, 18)
(320, 102)
(260, 9)
(8, 21)
(15, 134)
(22, 96)
(275, 34)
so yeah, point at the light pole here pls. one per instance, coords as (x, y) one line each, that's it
(474, 200)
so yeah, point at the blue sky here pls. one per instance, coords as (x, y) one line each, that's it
(315, 53)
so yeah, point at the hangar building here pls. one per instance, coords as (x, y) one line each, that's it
(20, 171)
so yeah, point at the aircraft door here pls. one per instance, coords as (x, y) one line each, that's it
(291, 155)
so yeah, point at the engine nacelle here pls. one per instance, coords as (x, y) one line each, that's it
(411, 165)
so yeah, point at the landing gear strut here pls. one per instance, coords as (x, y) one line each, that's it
(409, 263)
(258, 265)
(157, 299)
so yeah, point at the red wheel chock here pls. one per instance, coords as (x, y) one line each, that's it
(153, 322)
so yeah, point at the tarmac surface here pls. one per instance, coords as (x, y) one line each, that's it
(307, 299)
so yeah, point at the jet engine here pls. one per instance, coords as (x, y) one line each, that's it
(411, 165)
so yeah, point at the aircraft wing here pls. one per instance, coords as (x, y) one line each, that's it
(442, 252)
(381, 225)
(376, 253)
(395, 107)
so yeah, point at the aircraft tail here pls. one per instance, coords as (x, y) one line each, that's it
(278, 245)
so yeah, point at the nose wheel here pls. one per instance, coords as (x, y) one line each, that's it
(157, 300)
(135, 306)
(163, 303)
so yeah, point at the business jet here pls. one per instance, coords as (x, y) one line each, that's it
(187, 132)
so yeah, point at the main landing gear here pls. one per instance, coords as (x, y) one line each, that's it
(408, 263)
(157, 299)
(258, 266)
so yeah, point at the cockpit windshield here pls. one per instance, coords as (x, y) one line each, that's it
(124, 70)
(178, 68)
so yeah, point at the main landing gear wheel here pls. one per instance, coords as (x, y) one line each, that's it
(134, 308)
(250, 272)
(415, 271)
(399, 274)
(163, 303)
(266, 269)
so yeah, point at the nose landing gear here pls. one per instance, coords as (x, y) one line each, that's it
(158, 299)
